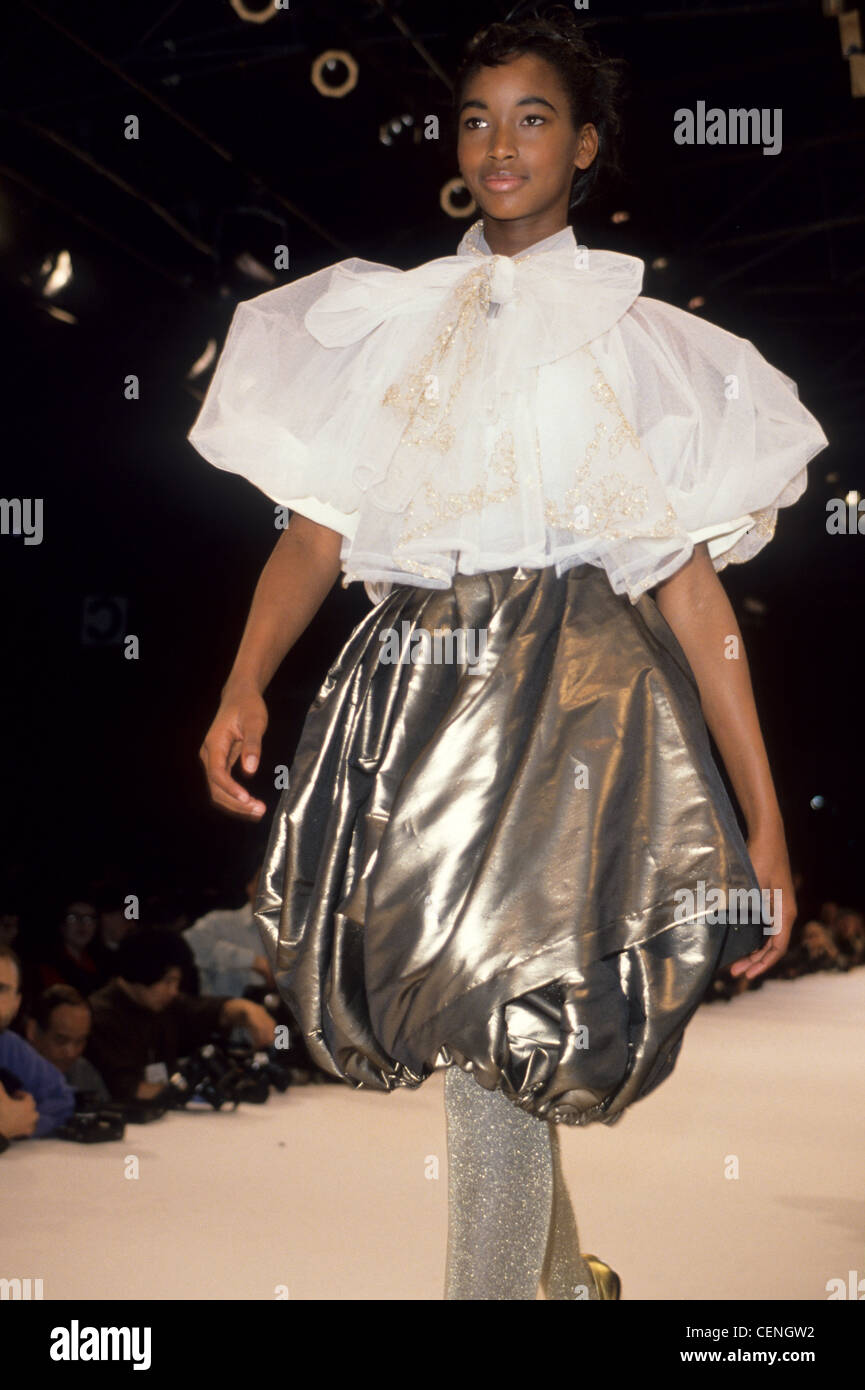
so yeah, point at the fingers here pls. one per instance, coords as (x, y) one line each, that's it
(758, 961)
(251, 753)
(218, 753)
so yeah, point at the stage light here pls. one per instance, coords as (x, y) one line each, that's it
(254, 269)
(258, 16)
(852, 499)
(660, 263)
(388, 129)
(621, 216)
(832, 477)
(202, 363)
(329, 62)
(817, 803)
(455, 199)
(58, 274)
(696, 302)
(62, 314)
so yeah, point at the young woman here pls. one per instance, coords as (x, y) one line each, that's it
(492, 860)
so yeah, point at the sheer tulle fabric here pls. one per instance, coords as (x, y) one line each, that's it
(481, 411)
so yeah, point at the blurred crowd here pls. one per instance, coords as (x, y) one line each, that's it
(108, 1005)
(103, 1008)
(833, 939)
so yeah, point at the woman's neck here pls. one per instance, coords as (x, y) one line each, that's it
(517, 235)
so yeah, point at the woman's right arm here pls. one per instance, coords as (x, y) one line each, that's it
(293, 585)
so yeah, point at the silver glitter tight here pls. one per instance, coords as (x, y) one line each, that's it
(511, 1227)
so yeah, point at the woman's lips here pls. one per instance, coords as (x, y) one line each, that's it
(501, 183)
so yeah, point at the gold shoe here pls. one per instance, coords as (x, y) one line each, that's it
(607, 1281)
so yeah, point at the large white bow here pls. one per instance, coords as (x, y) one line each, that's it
(568, 296)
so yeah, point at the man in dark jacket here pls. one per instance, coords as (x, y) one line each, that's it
(143, 1024)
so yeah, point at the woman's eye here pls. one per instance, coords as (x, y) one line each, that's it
(468, 123)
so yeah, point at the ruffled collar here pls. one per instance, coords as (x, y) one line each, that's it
(474, 243)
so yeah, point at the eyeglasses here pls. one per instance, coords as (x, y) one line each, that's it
(81, 917)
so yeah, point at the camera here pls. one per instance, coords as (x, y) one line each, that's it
(212, 1076)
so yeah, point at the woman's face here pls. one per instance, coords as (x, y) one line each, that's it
(79, 925)
(515, 120)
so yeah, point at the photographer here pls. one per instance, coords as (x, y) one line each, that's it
(143, 1024)
(58, 1027)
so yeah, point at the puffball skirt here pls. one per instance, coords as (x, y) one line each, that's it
(477, 864)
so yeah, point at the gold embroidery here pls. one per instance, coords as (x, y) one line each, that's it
(613, 496)
(753, 540)
(609, 501)
(427, 414)
(449, 506)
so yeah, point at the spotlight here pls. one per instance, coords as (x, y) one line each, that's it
(621, 216)
(58, 274)
(202, 363)
(660, 263)
(852, 499)
(254, 269)
(260, 16)
(817, 803)
(455, 199)
(330, 62)
(389, 129)
(62, 314)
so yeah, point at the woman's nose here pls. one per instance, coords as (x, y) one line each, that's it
(501, 142)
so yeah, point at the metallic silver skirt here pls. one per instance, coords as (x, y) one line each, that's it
(478, 864)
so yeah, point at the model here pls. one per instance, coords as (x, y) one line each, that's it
(503, 821)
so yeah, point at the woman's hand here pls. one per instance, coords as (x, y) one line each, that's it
(768, 854)
(235, 732)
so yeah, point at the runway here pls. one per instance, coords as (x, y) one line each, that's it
(327, 1193)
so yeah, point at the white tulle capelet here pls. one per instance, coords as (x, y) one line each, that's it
(482, 411)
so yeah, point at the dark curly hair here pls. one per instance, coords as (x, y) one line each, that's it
(145, 957)
(597, 85)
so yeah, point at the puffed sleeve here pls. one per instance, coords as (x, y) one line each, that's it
(272, 394)
(724, 430)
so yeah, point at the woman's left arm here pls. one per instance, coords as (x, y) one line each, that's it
(696, 607)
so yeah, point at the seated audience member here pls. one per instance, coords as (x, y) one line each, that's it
(143, 1024)
(10, 923)
(34, 1098)
(818, 950)
(68, 960)
(228, 949)
(848, 931)
(113, 926)
(167, 912)
(58, 1027)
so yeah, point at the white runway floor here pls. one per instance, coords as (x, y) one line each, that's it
(340, 1194)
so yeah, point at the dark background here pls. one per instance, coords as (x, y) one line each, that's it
(238, 153)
